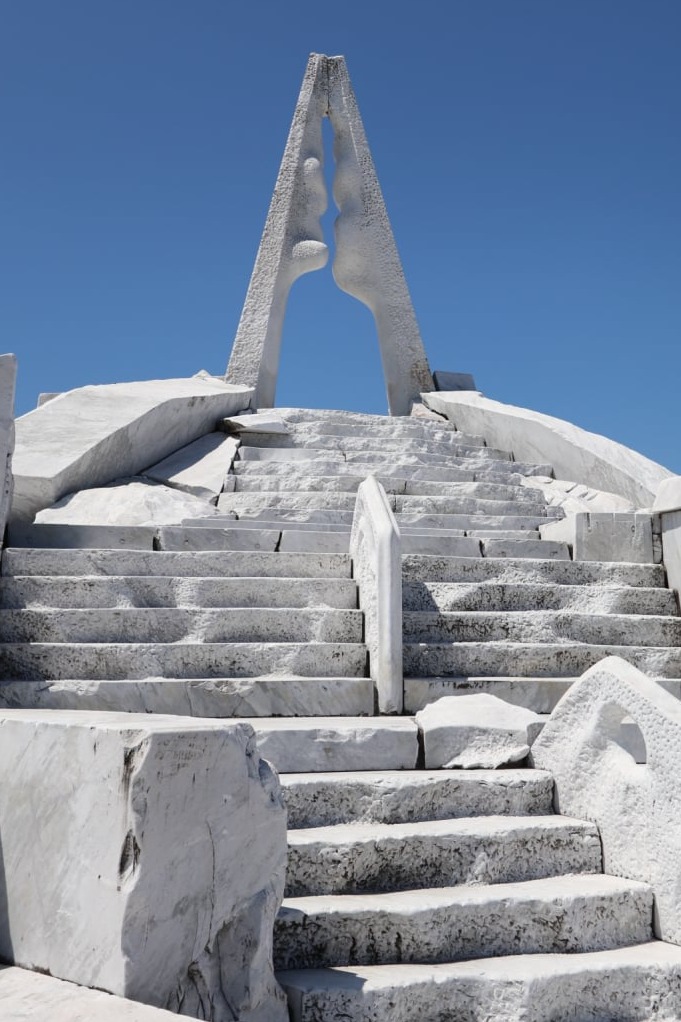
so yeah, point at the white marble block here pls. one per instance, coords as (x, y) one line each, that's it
(200, 468)
(475, 731)
(92, 435)
(143, 855)
(605, 536)
(134, 501)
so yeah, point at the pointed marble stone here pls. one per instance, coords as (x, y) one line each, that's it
(291, 243)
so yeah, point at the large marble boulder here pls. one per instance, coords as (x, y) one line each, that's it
(145, 856)
(126, 502)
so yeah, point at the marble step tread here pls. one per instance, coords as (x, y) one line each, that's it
(388, 466)
(246, 503)
(472, 462)
(264, 539)
(448, 924)
(188, 564)
(541, 626)
(341, 415)
(459, 569)
(27, 996)
(282, 517)
(118, 661)
(617, 985)
(322, 441)
(404, 796)
(536, 596)
(167, 591)
(538, 694)
(533, 659)
(301, 745)
(377, 857)
(280, 695)
(398, 485)
(182, 624)
(384, 427)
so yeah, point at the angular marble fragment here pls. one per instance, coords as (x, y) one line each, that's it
(126, 502)
(475, 731)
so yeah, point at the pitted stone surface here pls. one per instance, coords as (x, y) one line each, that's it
(125, 502)
(475, 731)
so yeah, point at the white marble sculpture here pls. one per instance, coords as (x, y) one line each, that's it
(366, 265)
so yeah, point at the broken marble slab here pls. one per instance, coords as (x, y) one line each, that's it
(476, 732)
(133, 501)
(93, 435)
(199, 468)
(258, 422)
(602, 536)
(151, 863)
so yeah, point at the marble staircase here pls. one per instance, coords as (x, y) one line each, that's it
(448, 896)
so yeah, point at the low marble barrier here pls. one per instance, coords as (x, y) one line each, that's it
(377, 559)
(637, 807)
(143, 855)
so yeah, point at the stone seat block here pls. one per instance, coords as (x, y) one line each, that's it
(153, 854)
(373, 857)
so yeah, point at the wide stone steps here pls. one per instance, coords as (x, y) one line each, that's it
(453, 448)
(570, 914)
(385, 427)
(540, 626)
(179, 564)
(382, 466)
(328, 518)
(34, 591)
(398, 485)
(371, 457)
(536, 596)
(531, 659)
(131, 660)
(182, 625)
(323, 799)
(375, 857)
(639, 982)
(247, 503)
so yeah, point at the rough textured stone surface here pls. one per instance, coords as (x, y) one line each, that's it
(605, 536)
(404, 796)
(573, 452)
(92, 435)
(671, 547)
(636, 807)
(377, 561)
(358, 857)
(151, 862)
(125, 502)
(574, 497)
(199, 468)
(642, 982)
(450, 924)
(258, 422)
(31, 997)
(475, 731)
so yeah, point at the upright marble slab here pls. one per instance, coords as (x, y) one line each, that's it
(8, 376)
(143, 855)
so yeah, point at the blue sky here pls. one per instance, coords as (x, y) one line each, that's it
(529, 153)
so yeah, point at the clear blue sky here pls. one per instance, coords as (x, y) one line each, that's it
(529, 153)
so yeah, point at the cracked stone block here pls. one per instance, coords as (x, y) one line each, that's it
(475, 731)
(144, 856)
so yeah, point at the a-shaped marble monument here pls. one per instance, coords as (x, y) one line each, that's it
(366, 263)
